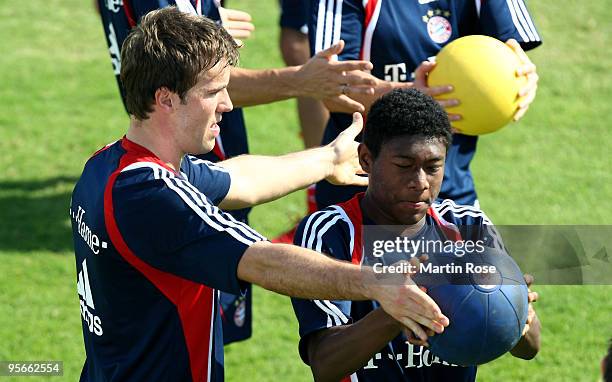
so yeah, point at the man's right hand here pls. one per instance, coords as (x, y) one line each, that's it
(408, 304)
(421, 75)
(323, 76)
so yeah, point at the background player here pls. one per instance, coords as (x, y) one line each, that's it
(397, 36)
(295, 50)
(318, 78)
(295, 47)
(312, 113)
(403, 151)
(152, 245)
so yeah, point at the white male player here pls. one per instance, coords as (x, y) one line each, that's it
(152, 246)
(318, 78)
(399, 35)
(403, 151)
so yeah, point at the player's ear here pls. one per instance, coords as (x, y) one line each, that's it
(163, 99)
(365, 158)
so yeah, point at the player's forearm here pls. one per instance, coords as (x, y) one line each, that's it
(337, 352)
(300, 272)
(259, 179)
(249, 87)
(529, 345)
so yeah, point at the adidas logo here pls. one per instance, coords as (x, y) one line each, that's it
(94, 324)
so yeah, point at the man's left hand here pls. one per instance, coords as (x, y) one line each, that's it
(527, 69)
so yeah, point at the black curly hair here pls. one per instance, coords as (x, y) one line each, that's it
(405, 112)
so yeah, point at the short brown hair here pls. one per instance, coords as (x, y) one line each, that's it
(170, 49)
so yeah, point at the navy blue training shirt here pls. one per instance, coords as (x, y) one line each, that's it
(337, 232)
(152, 250)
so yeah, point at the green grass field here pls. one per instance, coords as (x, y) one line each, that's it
(60, 103)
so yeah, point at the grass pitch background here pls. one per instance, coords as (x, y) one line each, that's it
(59, 103)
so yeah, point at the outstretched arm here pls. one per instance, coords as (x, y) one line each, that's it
(321, 77)
(303, 273)
(258, 179)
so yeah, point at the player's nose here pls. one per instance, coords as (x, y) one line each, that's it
(225, 104)
(418, 181)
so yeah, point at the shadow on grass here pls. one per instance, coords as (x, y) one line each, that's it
(34, 215)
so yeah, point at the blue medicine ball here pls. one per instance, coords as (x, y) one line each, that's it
(487, 312)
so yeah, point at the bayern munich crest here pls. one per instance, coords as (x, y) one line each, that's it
(438, 26)
(439, 29)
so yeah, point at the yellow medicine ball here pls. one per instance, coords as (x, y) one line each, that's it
(482, 71)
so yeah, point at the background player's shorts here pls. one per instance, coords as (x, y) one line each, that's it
(236, 316)
(295, 14)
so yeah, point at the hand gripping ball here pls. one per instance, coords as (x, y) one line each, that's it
(487, 311)
(482, 71)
